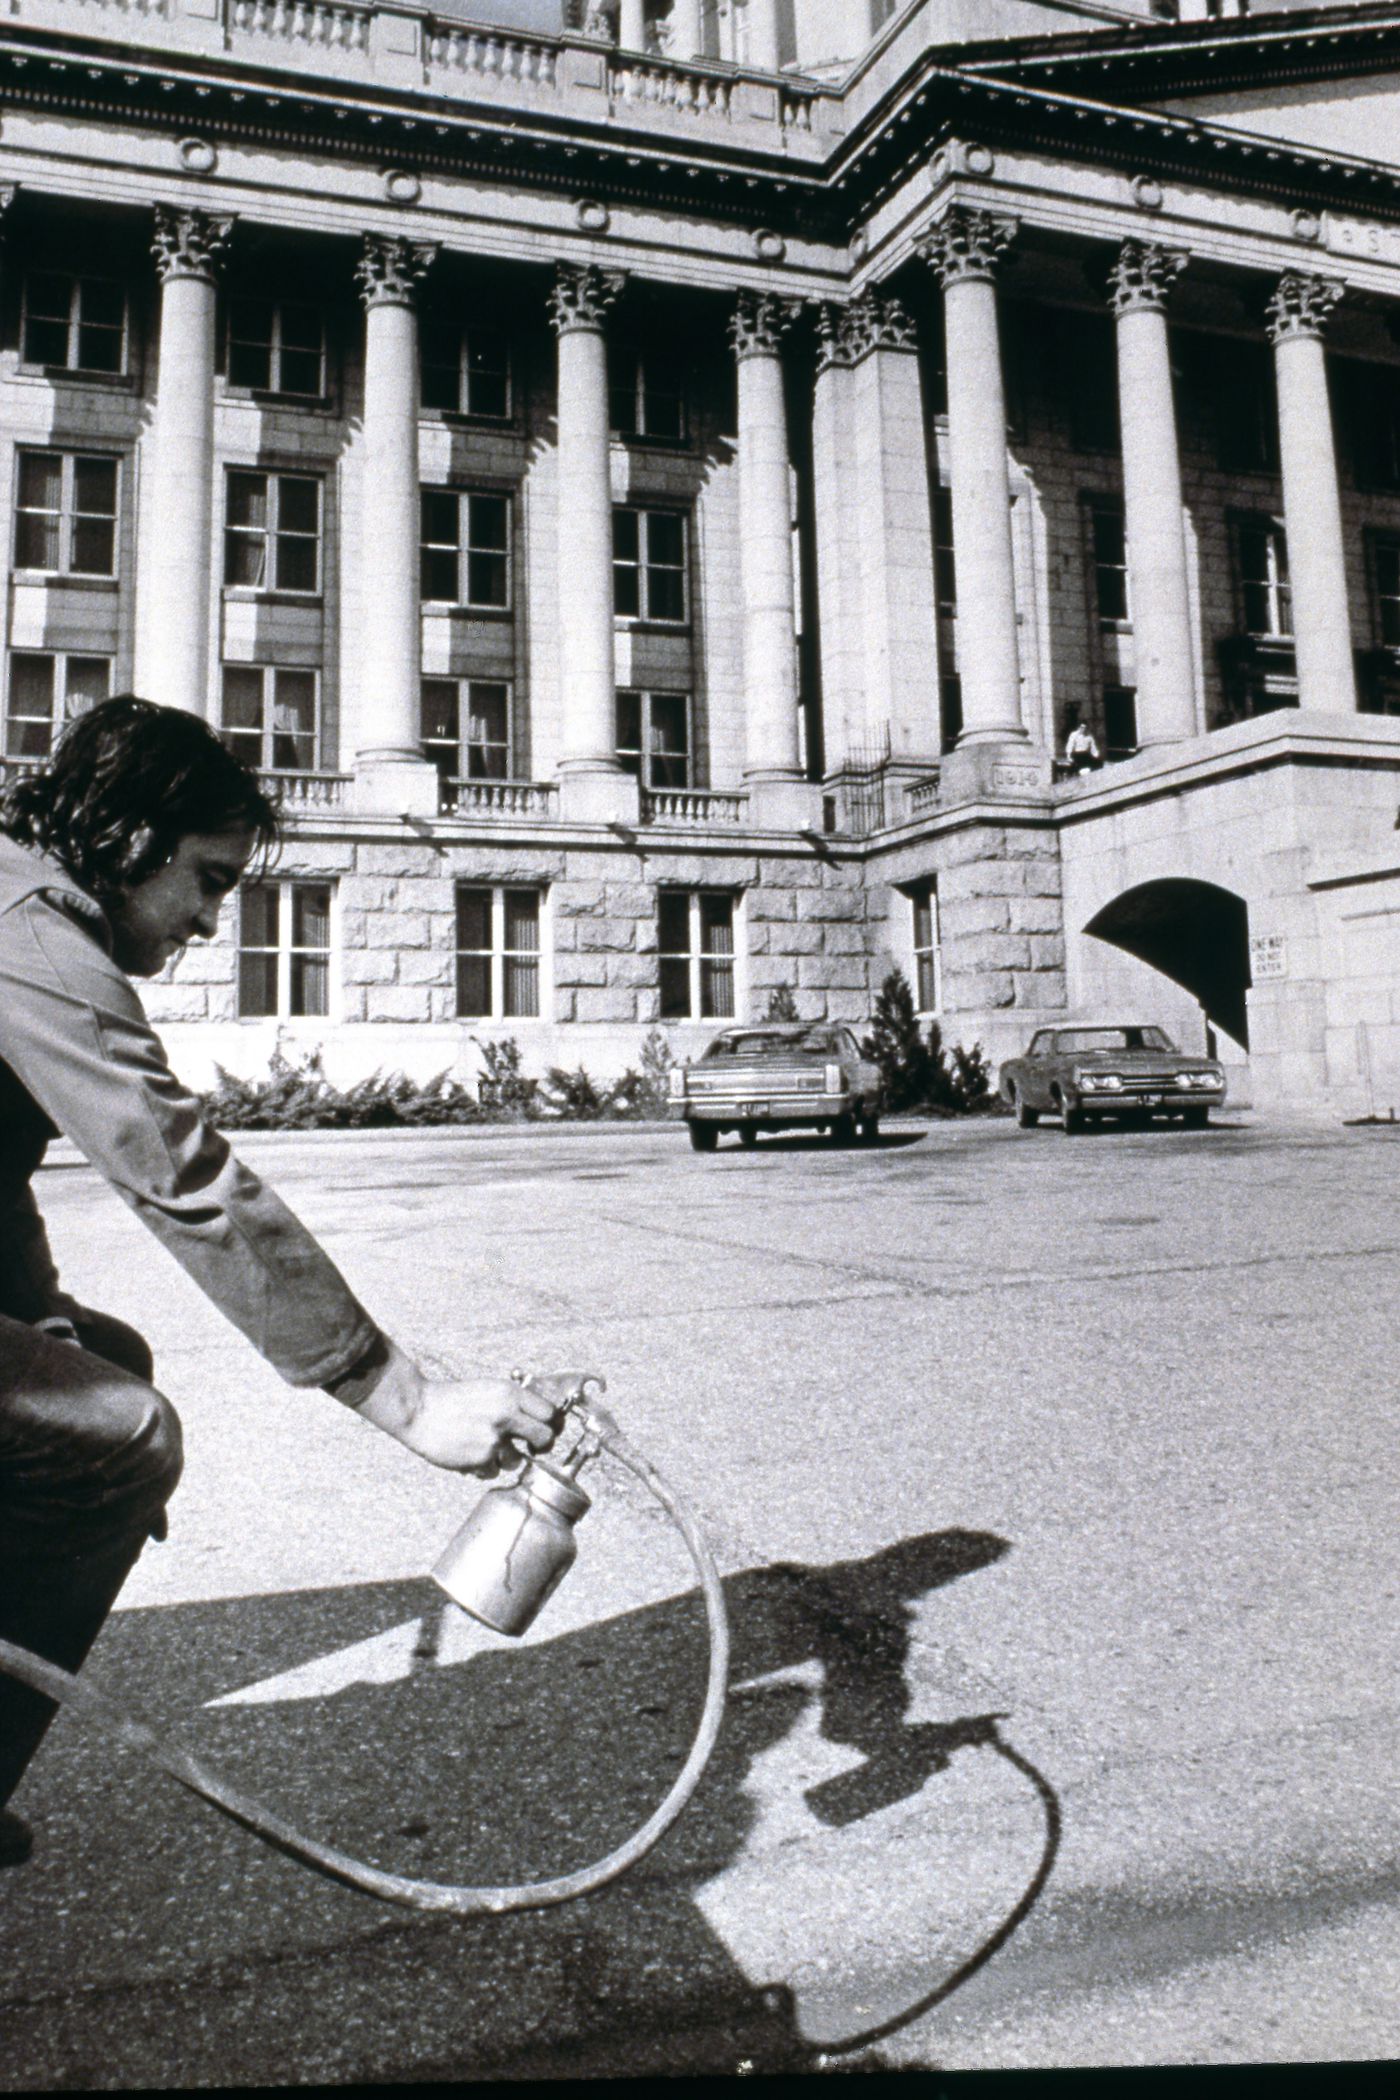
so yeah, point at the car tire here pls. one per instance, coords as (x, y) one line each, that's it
(1195, 1118)
(1074, 1118)
(843, 1130)
(1026, 1116)
(748, 1135)
(868, 1129)
(703, 1136)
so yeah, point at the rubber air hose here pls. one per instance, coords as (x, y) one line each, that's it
(171, 1756)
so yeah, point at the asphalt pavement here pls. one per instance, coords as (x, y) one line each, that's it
(1053, 1483)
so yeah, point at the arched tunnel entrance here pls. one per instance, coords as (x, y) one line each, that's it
(1193, 932)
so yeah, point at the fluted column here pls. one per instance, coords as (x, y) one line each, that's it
(763, 34)
(389, 751)
(837, 543)
(578, 307)
(173, 586)
(1163, 652)
(773, 765)
(1298, 314)
(964, 250)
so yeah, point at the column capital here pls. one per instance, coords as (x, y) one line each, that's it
(582, 295)
(391, 268)
(1301, 305)
(966, 244)
(872, 321)
(189, 243)
(1142, 276)
(759, 322)
(8, 193)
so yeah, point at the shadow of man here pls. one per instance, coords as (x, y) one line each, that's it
(518, 1763)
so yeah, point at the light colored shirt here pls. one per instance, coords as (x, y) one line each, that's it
(78, 1056)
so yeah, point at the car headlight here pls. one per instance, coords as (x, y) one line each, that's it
(1099, 1082)
(1211, 1079)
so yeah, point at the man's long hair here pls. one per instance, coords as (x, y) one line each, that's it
(127, 781)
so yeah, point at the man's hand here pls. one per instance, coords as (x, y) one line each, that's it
(468, 1425)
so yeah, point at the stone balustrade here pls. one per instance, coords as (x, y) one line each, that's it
(302, 22)
(490, 54)
(499, 798)
(306, 791)
(695, 806)
(922, 796)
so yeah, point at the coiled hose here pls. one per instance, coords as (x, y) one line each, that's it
(171, 1756)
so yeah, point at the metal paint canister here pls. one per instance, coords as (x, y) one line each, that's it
(515, 1548)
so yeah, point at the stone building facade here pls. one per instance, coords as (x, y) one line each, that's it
(655, 486)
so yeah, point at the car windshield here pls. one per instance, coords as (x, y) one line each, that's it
(1077, 1040)
(789, 1042)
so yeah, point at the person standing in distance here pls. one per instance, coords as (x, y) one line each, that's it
(112, 857)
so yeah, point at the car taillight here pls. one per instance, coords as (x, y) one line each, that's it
(675, 1083)
(833, 1079)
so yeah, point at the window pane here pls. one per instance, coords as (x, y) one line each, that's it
(311, 915)
(486, 579)
(296, 563)
(298, 505)
(29, 732)
(88, 680)
(294, 720)
(665, 539)
(51, 294)
(716, 990)
(673, 922)
(627, 592)
(440, 513)
(522, 920)
(250, 365)
(310, 985)
(301, 327)
(438, 580)
(474, 919)
(488, 522)
(489, 714)
(473, 987)
(257, 985)
(923, 921)
(675, 988)
(625, 535)
(716, 925)
(247, 500)
(440, 710)
(300, 372)
(668, 723)
(245, 559)
(41, 481)
(259, 916)
(928, 984)
(665, 594)
(95, 487)
(243, 697)
(522, 987)
(94, 547)
(36, 541)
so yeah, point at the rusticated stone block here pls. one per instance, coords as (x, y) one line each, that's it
(177, 1002)
(963, 918)
(368, 966)
(371, 893)
(629, 900)
(389, 857)
(607, 933)
(581, 969)
(573, 900)
(715, 871)
(610, 1002)
(799, 938)
(1041, 991)
(768, 970)
(427, 966)
(758, 939)
(841, 939)
(966, 990)
(848, 1006)
(830, 972)
(765, 904)
(397, 1002)
(834, 904)
(313, 857)
(565, 1004)
(633, 970)
(792, 874)
(352, 1002)
(649, 1004)
(994, 951)
(1035, 914)
(1048, 951)
(396, 929)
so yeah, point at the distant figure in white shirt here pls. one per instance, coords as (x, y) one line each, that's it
(1081, 750)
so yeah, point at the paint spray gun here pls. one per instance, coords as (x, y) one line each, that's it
(518, 1544)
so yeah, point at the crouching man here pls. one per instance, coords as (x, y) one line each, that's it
(112, 858)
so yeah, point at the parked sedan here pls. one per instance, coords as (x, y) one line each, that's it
(779, 1076)
(1079, 1074)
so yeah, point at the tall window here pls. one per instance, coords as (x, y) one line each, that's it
(466, 728)
(695, 945)
(649, 564)
(76, 324)
(276, 346)
(1120, 732)
(646, 396)
(498, 953)
(269, 716)
(1109, 549)
(1385, 576)
(945, 574)
(1088, 358)
(466, 371)
(465, 548)
(66, 514)
(1240, 380)
(272, 532)
(923, 910)
(47, 690)
(653, 737)
(1265, 600)
(284, 943)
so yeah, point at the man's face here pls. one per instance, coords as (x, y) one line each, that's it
(180, 901)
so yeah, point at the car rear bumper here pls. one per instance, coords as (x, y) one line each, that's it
(775, 1107)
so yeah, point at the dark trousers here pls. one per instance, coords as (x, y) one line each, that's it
(89, 1457)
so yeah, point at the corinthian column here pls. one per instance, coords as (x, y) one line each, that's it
(593, 782)
(392, 771)
(687, 33)
(773, 766)
(963, 251)
(763, 34)
(173, 585)
(1298, 314)
(1141, 280)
